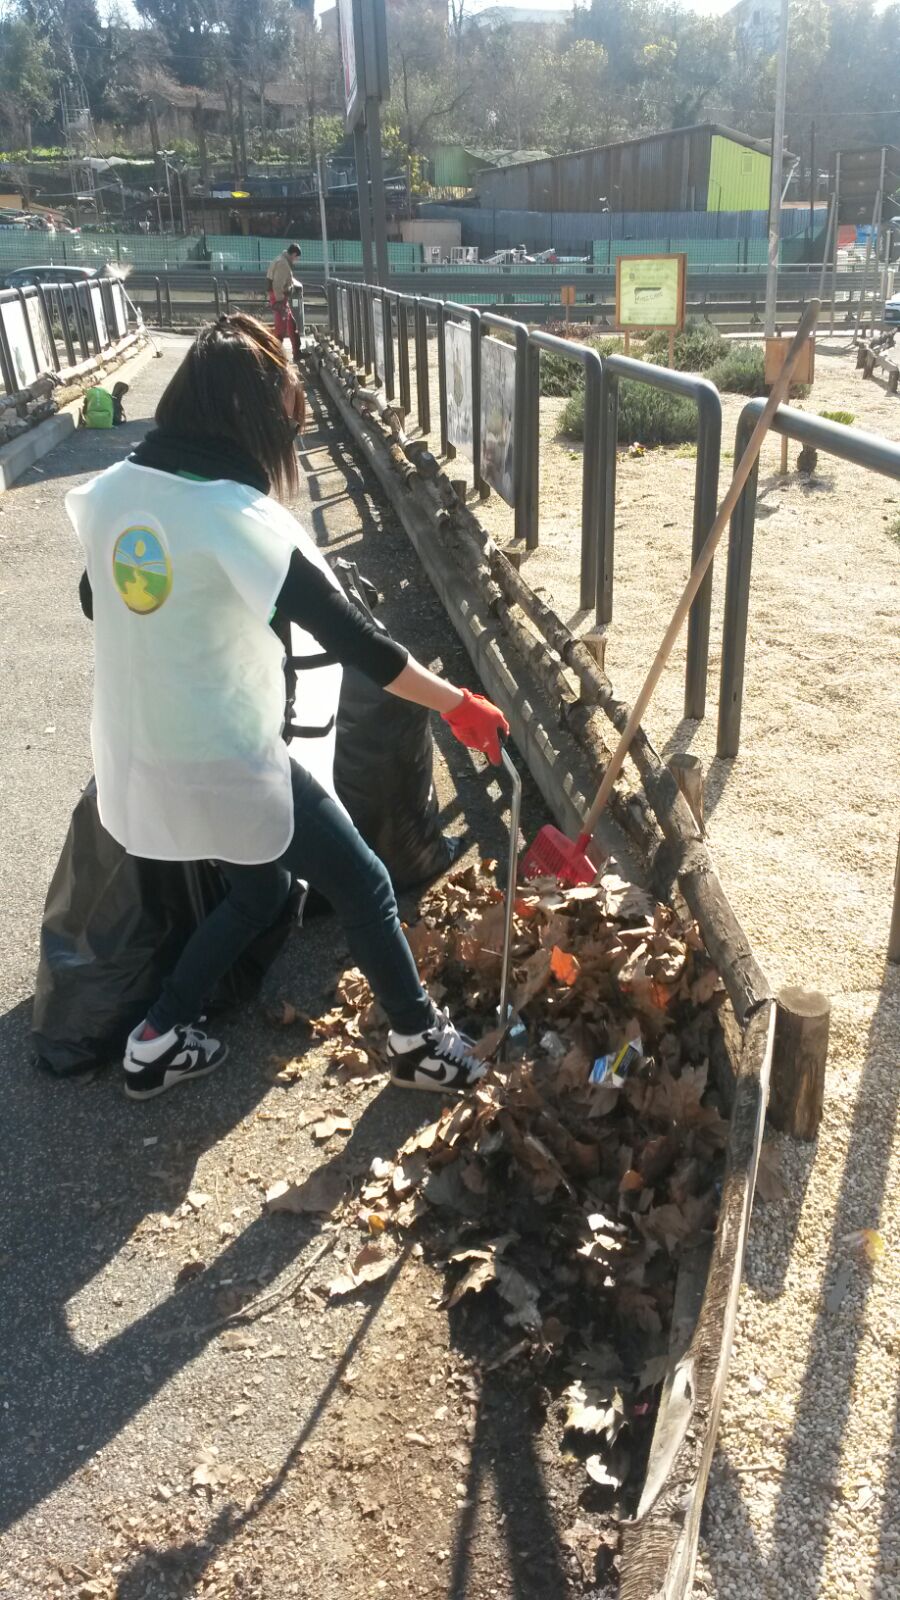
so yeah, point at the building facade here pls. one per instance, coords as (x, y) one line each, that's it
(702, 168)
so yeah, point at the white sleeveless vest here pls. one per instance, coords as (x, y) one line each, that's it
(189, 690)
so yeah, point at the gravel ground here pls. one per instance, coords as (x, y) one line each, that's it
(804, 826)
(151, 1448)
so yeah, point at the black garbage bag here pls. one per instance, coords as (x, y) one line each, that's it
(113, 928)
(383, 770)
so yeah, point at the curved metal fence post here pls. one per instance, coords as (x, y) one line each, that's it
(737, 599)
(532, 446)
(20, 294)
(606, 494)
(423, 377)
(403, 302)
(590, 492)
(387, 320)
(168, 300)
(706, 499)
(159, 321)
(215, 284)
(447, 449)
(848, 444)
(481, 488)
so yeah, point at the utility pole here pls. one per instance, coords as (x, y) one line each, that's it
(379, 214)
(775, 186)
(362, 198)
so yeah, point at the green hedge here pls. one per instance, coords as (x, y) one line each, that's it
(646, 416)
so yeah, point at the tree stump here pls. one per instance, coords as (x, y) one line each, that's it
(688, 774)
(797, 1086)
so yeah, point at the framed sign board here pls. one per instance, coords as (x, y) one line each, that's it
(651, 293)
(364, 59)
(776, 349)
(498, 410)
(458, 352)
(567, 294)
(378, 331)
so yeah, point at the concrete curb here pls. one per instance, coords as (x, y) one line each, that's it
(20, 454)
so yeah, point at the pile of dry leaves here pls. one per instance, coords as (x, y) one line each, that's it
(561, 1191)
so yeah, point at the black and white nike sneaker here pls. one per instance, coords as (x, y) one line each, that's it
(439, 1059)
(154, 1065)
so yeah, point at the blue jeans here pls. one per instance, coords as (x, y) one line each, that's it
(330, 854)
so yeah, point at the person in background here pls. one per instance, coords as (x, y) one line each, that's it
(282, 283)
(190, 567)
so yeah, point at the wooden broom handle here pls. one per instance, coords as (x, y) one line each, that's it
(741, 474)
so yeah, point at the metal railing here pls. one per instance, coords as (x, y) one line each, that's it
(50, 327)
(602, 377)
(849, 444)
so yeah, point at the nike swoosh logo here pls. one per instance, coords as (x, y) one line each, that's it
(438, 1074)
(188, 1058)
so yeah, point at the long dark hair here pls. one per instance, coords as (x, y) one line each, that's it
(232, 385)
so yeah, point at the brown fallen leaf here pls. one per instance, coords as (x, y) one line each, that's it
(371, 1263)
(329, 1126)
(770, 1181)
(320, 1192)
(477, 1277)
(237, 1339)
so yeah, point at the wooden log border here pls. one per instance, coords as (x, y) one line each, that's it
(483, 594)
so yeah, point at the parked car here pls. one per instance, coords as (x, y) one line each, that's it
(892, 309)
(26, 277)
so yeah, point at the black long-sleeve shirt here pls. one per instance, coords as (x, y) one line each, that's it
(345, 633)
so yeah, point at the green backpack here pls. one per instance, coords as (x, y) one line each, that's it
(98, 410)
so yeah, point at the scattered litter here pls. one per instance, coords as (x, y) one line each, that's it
(838, 1291)
(559, 1205)
(869, 1242)
(321, 1192)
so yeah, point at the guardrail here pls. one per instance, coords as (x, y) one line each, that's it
(354, 307)
(850, 444)
(190, 292)
(462, 427)
(48, 328)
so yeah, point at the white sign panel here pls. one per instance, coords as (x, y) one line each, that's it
(498, 403)
(40, 333)
(458, 351)
(99, 313)
(345, 317)
(348, 56)
(120, 310)
(378, 325)
(14, 326)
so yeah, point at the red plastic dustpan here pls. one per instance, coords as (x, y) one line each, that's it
(554, 855)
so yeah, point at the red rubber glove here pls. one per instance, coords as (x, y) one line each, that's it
(478, 724)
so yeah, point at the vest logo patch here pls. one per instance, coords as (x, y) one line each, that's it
(142, 570)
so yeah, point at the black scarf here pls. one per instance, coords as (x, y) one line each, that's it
(202, 456)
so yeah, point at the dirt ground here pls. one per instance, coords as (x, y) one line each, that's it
(184, 1410)
(804, 826)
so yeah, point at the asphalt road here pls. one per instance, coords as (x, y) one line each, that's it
(100, 1385)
